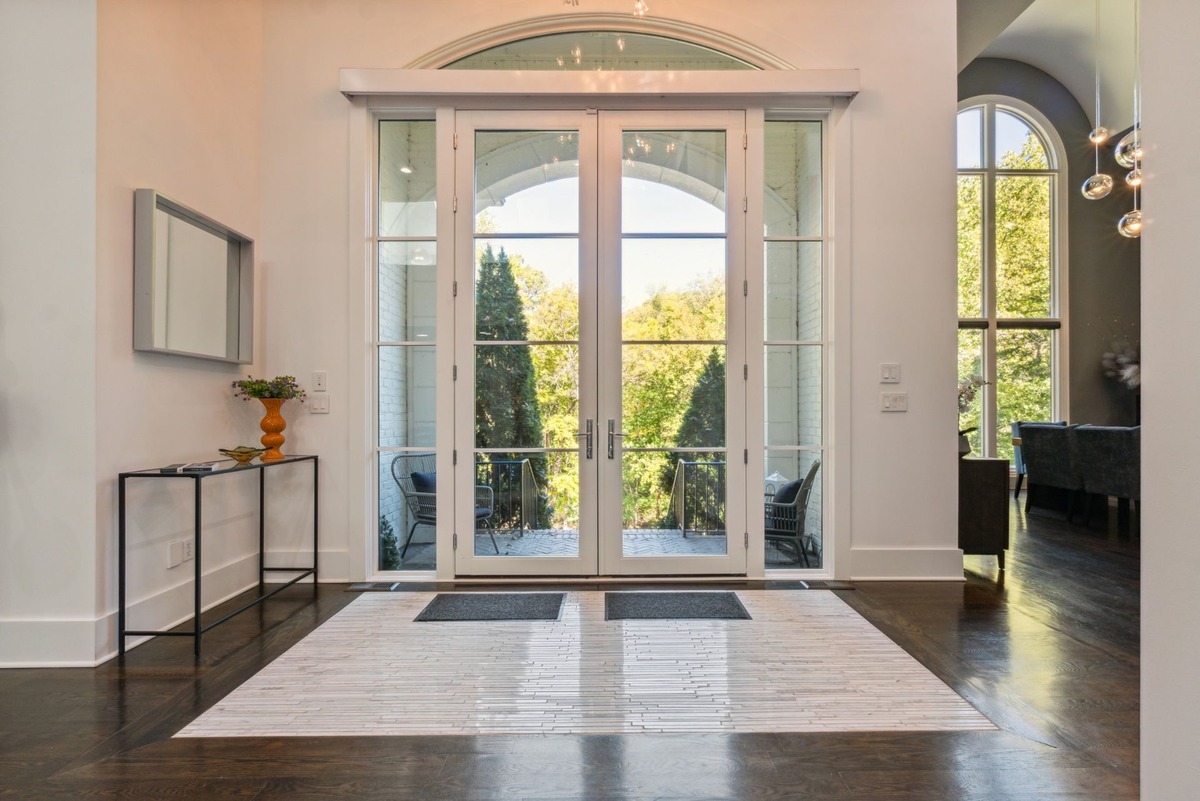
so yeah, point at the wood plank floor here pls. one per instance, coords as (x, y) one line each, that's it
(1049, 652)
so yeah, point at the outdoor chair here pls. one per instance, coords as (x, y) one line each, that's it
(785, 512)
(1019, 457)
(415, 474)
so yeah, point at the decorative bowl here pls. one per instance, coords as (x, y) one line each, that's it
(243, 454)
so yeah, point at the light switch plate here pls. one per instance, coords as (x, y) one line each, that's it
(889, 373)
(320, 381)
(318, 404)
(893, 401)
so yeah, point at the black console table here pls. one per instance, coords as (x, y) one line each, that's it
(197, 479)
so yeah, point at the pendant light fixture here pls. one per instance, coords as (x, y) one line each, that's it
(1099, 184)
(1128, 152)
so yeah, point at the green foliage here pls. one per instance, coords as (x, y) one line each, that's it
(507, 414)
(281, 386)
(1023, 274)
(703, 424)
(389, 546)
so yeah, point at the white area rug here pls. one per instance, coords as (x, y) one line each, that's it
(806, 662)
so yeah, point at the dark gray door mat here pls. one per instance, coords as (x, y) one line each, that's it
(492, 606)
(673, 606)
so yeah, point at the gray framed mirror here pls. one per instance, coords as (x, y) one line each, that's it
(193, 283)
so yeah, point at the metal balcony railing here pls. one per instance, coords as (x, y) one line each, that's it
(698, 497)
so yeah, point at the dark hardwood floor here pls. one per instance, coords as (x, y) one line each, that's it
(1048, 650)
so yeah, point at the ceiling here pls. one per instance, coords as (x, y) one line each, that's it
(1059, 37)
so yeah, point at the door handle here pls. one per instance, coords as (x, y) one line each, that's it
(612, 433)
(587, 433)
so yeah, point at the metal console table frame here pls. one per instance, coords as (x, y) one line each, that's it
(198, 629)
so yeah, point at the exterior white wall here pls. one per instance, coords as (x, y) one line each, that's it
(180, 105)
(1171, 431)
(903, 271)
(47, 327)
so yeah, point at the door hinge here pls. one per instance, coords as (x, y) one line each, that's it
(454, 204)
(455, 541)
(454, 372)
(745, 203)
(746, 456)
(454, 457)
(456, 140)
(745, 141)
(745, 289)
(745, 372)
(454, 289)
(746, 542)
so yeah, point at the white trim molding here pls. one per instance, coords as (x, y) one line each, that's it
(906, 564)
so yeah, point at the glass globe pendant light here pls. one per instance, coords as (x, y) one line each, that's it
(1098, 185)
(1128, 152)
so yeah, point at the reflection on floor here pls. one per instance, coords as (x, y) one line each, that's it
(804, 662)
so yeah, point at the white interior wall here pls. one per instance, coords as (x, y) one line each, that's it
(902, 285)
(1170, 472)
(47, 327)
(180, 105)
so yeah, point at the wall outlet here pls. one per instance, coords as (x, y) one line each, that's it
(189, 549)
(175, 553)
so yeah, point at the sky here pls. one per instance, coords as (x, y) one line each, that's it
(646, 264)
(1010, 136)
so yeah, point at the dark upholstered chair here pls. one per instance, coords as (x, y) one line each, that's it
(786, 510)
(1019, 456)
(1051, 460)
(414, 475)
(1110, 460)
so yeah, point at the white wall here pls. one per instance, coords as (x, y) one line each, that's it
(180, 106)
(47, 327)
(1170, 472)
(903, 519)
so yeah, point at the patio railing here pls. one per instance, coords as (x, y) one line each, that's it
(698, 497)
(516, 492)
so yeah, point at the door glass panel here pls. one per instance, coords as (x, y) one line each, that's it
(690, 162)
(1023, 246)
(793, 292)
(792, 189)
(673, 286)
(407, 178)
(793, 395)
(407, 291)
(792, 509)
(526, 182)
(527, 352)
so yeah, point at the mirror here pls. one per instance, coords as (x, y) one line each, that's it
(193, 283)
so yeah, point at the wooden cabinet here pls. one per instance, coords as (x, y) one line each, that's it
(983, 507)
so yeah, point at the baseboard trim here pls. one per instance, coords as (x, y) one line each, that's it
(906, 564)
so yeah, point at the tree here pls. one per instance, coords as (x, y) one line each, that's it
(703, 426)
(506, 405)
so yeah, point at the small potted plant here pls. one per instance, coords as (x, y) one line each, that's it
(272, 393)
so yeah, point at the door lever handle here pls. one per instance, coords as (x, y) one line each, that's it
(612, 434)
(587, 433)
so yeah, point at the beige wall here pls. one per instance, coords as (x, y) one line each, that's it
(1170, 471)
(48, 546)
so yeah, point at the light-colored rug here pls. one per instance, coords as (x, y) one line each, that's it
(805, 662)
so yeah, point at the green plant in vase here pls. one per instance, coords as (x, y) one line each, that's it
(272, 393)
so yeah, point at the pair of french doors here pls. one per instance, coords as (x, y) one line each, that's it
(600, 307)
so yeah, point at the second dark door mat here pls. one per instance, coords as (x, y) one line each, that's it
(492, 606)
(673, 606)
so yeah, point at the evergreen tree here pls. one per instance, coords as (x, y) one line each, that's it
(703, 426)
(506, 406)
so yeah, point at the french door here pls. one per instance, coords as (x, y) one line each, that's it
(600, 325)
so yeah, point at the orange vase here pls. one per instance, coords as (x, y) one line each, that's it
(272, 425)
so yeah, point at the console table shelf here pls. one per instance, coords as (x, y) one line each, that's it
(198, 628)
